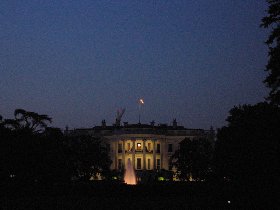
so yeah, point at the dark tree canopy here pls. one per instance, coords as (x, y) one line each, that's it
(89, 157)
(31, 152)
(26, 120)
(193, 158)
(248, 148)
(272, 20)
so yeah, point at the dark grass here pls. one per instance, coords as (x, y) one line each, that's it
(108, 195)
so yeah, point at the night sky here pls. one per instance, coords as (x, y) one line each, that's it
(79, 61)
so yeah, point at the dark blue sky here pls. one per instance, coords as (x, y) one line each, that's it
(79, 61)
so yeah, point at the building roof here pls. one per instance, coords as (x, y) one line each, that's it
(160, 129)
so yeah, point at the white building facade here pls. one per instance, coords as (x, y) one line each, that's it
(147, 146)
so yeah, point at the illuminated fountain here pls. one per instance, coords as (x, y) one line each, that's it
(129, 176)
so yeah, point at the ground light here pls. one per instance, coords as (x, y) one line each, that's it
(161, 178)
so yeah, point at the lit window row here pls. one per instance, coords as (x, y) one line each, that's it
(139, 147)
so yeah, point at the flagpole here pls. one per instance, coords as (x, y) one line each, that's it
(140, 102)
(139, 114)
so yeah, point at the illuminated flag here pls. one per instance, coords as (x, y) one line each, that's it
(141, 101)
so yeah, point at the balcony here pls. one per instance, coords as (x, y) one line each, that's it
(139, 151)
(128, 151)
(149, 151)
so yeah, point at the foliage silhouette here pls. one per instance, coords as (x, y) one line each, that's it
(31, 152)
(28, 120)
(193, 159)
(89, 157)
(273, 66)
(247, 149)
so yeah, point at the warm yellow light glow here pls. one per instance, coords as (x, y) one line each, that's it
(138, 146)
(141, 101)
(161, 178)
(129, 176)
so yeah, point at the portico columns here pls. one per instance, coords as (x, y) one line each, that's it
(123, 154)
(133, 153)
(117, 153)
(144, 154)
(154, 154)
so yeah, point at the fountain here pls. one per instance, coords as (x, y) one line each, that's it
(129, 176)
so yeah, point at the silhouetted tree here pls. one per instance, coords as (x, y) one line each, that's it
(25, 120)
(273, 67)
(89, 157)
(5, 139)
(1, 123)
(193, 159)
(248, 148)
(53, 164)
(31, 152)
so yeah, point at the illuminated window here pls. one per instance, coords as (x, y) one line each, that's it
(149, 164)
(139, 147)
(138, 163)
(158, 148)
(128, 147)
(119, 163)
(158, 163)
(149, 147)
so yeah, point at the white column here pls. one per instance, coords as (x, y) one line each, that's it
(123, 153)
(144, 154)
(154, 154)
(116, 154)
(133, 153)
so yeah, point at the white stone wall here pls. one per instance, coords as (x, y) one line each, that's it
(124, 153)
